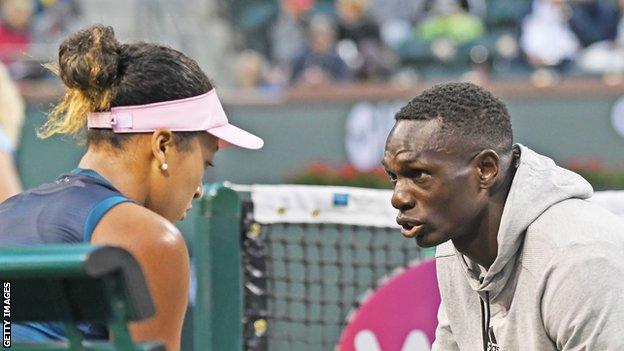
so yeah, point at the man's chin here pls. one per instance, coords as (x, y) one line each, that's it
(431, 239)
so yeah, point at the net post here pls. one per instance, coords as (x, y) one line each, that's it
(255, 251)
(218, 308)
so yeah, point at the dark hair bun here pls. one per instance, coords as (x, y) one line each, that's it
(89, 59)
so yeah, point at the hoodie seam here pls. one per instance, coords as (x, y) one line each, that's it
(546, 241)
(542, 235)
(533, 275)
(446, 255)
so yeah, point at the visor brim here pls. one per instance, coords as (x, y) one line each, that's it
(237, 136)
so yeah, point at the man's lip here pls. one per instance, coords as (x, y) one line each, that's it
(411, 232)
(403, 221)
(409, 227)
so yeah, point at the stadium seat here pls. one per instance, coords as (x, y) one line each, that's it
(506, 13)
(71, 284)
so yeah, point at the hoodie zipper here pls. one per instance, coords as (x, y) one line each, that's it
(485, 319)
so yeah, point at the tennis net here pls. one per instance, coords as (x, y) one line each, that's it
(310, 255)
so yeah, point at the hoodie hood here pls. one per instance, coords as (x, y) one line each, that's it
(537, 185)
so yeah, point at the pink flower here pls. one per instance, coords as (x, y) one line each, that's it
(319, 168)
(347, 172)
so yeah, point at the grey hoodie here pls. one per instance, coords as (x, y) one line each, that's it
(557, 282)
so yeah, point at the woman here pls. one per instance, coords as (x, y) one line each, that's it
(9, 180)
(11, 120)
(154, 124)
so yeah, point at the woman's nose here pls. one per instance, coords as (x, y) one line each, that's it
(199, 192)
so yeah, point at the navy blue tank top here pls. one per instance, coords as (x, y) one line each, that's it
(62, 212)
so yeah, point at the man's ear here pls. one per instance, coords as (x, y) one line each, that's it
(488, 165)
(162, 144)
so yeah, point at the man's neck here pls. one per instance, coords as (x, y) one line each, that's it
(482, 247)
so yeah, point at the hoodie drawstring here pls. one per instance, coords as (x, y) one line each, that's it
(485, 319)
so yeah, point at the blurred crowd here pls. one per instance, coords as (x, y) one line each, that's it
(29, 29)
(294, 42)
(281, 43)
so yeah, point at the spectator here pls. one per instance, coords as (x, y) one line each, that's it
(594, 20)
(16, 20)
(55, 19)
(606, 56)
(288, 35)
(11, 119)
(251, 69)
(320, 63)
(360, 41)
(396, 19)
(354, 24)
(416, 10)
(385, 11)
(547, 39)
(447, 19)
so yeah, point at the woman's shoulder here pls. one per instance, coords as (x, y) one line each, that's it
(132, 225)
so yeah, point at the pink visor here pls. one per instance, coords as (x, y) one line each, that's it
(197, 113)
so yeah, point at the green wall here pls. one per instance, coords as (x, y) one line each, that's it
(564, 128)
(39, 160)
(296, 133)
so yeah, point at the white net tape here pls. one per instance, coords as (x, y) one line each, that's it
(323, 204)
(352, 206)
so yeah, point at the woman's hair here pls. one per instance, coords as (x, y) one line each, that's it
(101, 73)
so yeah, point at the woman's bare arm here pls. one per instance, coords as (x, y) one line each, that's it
(161, 251)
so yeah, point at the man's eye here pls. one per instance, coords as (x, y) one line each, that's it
(419, 175)
(392, 176)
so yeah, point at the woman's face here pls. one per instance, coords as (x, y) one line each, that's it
(172, 190)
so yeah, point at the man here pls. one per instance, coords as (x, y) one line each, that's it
(524, 262)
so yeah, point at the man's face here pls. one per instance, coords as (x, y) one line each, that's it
(436, 183)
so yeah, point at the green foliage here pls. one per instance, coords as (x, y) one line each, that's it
(597, 174)
(322, 173)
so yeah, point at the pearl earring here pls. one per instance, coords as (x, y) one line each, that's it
(164, 167)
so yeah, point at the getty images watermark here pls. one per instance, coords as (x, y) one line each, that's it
(6, 314)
